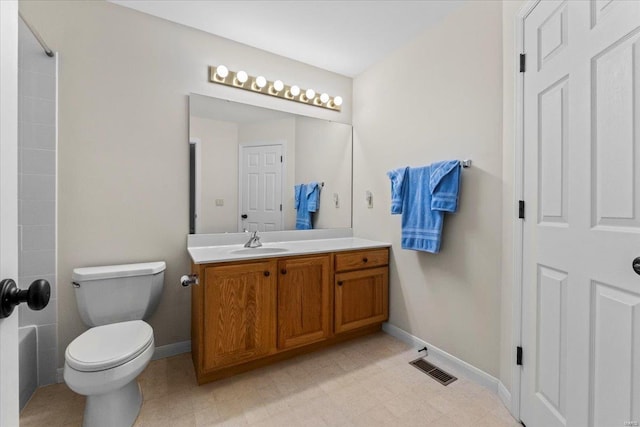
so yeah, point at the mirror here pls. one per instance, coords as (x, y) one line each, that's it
(246, 162)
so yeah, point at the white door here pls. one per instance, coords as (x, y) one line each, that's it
(581, 297)
(9, 206)
(260, 188)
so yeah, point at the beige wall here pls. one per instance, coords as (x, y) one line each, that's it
(283, 131)
(333, 167)
(440, 97)
(218, 167)
(510, 9)
(124, 80)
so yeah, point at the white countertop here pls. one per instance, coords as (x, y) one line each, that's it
(226, 253)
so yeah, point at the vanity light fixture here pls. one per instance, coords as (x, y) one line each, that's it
(277, 87)
(240, 79)
(221, 73)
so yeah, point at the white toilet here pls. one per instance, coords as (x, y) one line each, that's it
(103, 362)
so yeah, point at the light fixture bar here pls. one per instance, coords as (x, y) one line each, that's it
(259, 84)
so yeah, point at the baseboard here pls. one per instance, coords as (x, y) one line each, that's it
(446, 360)
(170, 350)
(161, 352)
(504, 395)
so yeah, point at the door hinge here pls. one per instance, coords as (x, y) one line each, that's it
(521, 209)
(519, 356)
(523, 62)
(281, 207)
(280, 159)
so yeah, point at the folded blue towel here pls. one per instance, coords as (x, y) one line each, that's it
(397, 188)
(426, 193)
(307, 200)
(444, 185)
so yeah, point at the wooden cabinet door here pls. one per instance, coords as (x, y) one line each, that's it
(304, 309)
(362, 298)
(239, 313)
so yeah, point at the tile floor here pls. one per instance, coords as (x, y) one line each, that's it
(365, 382)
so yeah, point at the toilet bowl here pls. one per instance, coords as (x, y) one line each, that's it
(103, 362)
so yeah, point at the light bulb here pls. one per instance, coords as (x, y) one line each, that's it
(337, 101)
(261, 82)
(242, 77)
(278, 86)
(294, 91)
(310, 94)
(222, 72)
(324, 98)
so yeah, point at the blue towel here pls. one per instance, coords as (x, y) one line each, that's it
(397, 188)
(307, 200)
(426, 193)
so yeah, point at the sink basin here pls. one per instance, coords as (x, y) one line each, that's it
(259, 251)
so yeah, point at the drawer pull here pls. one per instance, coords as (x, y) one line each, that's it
(267, 274)
(339, 282)
(283, 271)
(365, 259)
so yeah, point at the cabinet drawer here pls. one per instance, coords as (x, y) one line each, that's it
(361, 259)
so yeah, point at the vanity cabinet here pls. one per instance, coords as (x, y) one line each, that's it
(239, 313)
(361, 289)
(304, 305)
(247, 314)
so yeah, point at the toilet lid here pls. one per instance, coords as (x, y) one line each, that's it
(108, 346)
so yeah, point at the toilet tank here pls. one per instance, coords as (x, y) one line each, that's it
(118, 293)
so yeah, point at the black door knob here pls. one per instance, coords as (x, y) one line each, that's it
(36, 297)
(636, 265)
(244, 216)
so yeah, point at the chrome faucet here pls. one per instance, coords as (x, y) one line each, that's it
(254, 241)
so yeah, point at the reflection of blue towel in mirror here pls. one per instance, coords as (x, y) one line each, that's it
(307, 200)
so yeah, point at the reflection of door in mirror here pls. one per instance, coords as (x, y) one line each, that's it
(260, 187)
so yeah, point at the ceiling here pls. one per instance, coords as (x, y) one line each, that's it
(229, 111)
(345, 37)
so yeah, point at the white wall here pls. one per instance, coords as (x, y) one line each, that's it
(440, 97)
(277, 131)
(37, 192)
(333, 167)
(124, 80)
(219, 167)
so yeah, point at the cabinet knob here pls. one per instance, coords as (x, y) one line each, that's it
(267, 274)
(365, 259)
(283, 271)
(339, 282)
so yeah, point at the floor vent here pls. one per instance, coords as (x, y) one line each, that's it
(433, 371)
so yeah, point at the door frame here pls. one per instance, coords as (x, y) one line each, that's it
(518, 225)
(283, 175)
(9, 363)
(197, 201)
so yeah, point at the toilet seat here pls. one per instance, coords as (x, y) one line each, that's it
(105, 347)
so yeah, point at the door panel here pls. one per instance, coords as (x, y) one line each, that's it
(581, 300)
(261, 188)
(361, 298)
(304, 308)
(239, 313)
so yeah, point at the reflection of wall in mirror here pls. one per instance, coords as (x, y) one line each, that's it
(219, 141)
(276, 131)
(333, 167)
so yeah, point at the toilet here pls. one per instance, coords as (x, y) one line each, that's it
(104, 361)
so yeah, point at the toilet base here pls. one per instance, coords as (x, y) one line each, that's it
(119, 408)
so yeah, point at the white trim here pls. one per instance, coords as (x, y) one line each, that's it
(504, 395)
(198, 172)
(283, 174)
(444, 359)
(161, 352)
(171, 350)
(518, 226)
